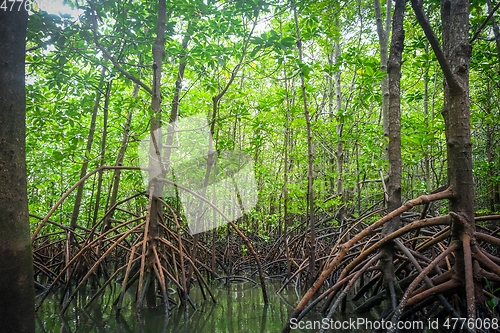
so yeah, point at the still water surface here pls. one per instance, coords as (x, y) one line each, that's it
(240, 308)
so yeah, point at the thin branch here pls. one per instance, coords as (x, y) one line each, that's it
(436, 46)
(33, 48)
(423, 274)
(238, 66)
(65, 195)
(110, 57)
(481, 27)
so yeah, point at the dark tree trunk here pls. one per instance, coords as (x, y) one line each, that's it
(495, 187)
(456, 111)
(454, 58)
(489, 152)
(17, 293)
(426, 120)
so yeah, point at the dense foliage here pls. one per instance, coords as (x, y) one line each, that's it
(252, 46)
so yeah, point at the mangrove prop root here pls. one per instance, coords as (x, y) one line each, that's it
(144, 244)
(420, 277)
(427, 280)
(124, 283)
(96, 265)
(469, 281)
(412, 226)
(349, 285)
(65, 195)
(238, 231)
(448, 193)
(488, 239)
(86, 247)
(439, 289)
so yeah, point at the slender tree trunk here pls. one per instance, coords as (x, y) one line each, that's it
(395, 169)
(331, 114)
(17, 293)
(120, 157)
(383, 32)
(90, 139)
(434, 180)
(310, 159)
(174, 112)
(489, 152)
(103, 152)
(339, 130)
(426, 119)
(155, 148)
(214, 230)
(496, 31)
(286, 216)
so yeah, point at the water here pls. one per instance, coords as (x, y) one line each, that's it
(240, 308)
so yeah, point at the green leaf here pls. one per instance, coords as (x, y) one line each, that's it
(255, 51)
(287, 42)
(257, 41)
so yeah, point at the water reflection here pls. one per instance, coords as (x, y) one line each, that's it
(239, 309)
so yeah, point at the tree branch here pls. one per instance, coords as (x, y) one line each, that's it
(481, 27)
(110, 57)
(238, 66)
(436, 46)
(380, 28)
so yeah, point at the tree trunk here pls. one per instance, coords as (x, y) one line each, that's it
(383, 37)
(17, 292)
(496, 31)
(394, 183)
(155, 148)
(310, 160)
(174, 112)
(103, 152)
(119, 159)
(454, 58)
(340, 142)
(456, 114)
(456, 110)
(90, 139)
(489, 152)
(286, 216)
(426, 120)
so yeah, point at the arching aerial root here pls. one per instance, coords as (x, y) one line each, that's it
(147, 252)
(457, 278)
